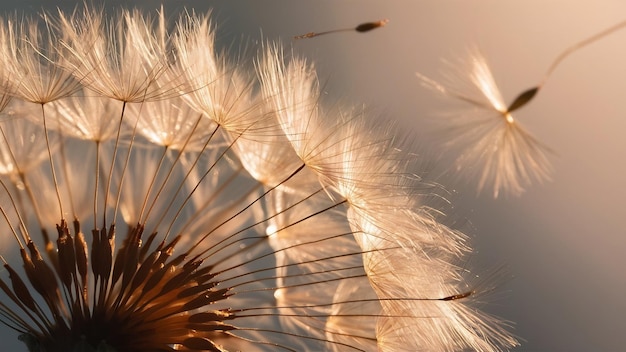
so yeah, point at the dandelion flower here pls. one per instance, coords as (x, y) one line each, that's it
(495, 148)
(245, 215)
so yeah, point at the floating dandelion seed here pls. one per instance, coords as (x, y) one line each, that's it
(504, 155)
(495, 147)
(251, 218)
(363, 27)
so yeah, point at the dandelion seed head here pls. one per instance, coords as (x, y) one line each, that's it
(156, 208)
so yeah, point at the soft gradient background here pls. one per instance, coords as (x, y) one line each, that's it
(564, 242)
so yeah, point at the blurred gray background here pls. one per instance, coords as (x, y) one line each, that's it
(564, 241)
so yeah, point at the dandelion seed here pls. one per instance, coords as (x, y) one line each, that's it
(221, 90)
(361, 28)
(121, 58)
(499, 150)
(32, 62)
(495, 148)
(244, 216)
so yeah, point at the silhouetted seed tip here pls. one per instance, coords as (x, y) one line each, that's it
(20, 289)
(80, 247)
(363, 27)
(523, 99)
(458, 296)
(368, 26)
